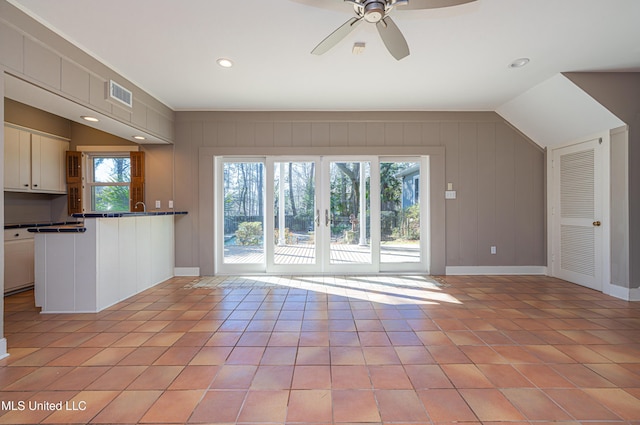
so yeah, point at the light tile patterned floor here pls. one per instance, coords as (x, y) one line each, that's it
(332, 349)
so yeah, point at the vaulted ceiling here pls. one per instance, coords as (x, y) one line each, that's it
(459, 59)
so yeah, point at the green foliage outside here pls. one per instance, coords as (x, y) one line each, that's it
(111, 198)
(289, 238)
(409, 228)
(109, 170)
(249, 233)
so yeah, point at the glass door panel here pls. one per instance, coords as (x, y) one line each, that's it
(348, 215)
(399, 212)
(243, 212)
(294, 209)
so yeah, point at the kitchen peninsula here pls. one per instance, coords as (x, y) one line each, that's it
(102, 260)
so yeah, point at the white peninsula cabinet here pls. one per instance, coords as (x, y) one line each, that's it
(33, 162)
(85, 269)
(18, 259)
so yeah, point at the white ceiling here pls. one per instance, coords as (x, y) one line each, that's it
(459, 56)
(557, 112)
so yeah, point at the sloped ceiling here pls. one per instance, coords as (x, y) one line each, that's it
(557, 112)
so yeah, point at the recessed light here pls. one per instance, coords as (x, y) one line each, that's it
(89, 118)
(139, 137)
(519, 63)
(225, 63)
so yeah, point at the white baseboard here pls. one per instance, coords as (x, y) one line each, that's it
(495, 270)
(3, 348)
(627, 294)
(186, 271)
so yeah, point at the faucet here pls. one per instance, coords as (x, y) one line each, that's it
(144, 207)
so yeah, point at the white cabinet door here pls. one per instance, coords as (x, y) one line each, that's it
(33, 162)
(18, 259)
(47, 164)
(17, 159)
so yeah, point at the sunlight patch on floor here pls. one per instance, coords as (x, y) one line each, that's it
(386, 289)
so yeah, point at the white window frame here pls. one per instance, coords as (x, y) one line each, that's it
(88, 154)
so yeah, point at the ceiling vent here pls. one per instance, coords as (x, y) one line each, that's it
(119, 95)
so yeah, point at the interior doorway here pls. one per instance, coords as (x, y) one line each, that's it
(579, 224)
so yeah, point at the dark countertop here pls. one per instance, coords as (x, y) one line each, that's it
(58, 229)
(78, 226)
(43, 224)
(127, 214)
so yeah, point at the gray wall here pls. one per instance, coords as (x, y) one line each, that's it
(497, 172)
(620, 93)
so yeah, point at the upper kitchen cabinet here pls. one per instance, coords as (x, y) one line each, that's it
(33, 162)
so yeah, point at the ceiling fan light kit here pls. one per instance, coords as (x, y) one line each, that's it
(377, 12)
(358, 48)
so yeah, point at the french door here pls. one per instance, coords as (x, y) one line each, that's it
(316, 214)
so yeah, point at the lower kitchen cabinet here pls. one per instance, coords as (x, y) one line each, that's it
(18, 259)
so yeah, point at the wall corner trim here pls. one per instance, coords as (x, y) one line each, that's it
(496, 270)
(3, 348)
(186, 271)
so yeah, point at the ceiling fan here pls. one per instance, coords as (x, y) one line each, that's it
(377, 12)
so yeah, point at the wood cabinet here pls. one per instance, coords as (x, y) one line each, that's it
(33, 162)
(18, 259)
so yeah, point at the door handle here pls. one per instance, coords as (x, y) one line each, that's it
(326, 218)
(597, 223)
(317, 218)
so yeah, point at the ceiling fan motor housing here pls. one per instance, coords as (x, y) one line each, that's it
(374, 11)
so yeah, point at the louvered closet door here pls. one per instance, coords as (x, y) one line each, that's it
(577, 214)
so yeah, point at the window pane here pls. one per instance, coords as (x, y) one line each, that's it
(400, 212)
(110, 198)
(244, 188)
(111, 170)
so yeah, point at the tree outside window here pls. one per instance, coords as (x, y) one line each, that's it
(109, 184)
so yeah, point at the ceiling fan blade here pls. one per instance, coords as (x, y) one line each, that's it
(393, 38)
(431, 4)
(336, 36)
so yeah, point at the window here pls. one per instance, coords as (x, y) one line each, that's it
(105, 179)
(108, 181)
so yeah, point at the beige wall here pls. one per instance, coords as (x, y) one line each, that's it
(497, 172)
(36, 119)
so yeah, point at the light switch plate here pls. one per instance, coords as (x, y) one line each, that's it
(450, 194)
(170, 204)
(157, 204)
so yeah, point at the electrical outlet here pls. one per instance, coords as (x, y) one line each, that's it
(157, 204)
(170, 204)
(494, 250)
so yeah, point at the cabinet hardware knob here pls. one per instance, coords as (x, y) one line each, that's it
(16, 235)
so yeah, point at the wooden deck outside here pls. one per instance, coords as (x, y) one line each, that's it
(305, 254)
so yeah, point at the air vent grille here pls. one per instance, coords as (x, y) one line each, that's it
(119, 94)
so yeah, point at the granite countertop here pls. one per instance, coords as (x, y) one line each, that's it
(78, 226)
(127, 214)
(68, 228)
(40, 224)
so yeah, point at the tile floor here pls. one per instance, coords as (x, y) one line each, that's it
(320, 350)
